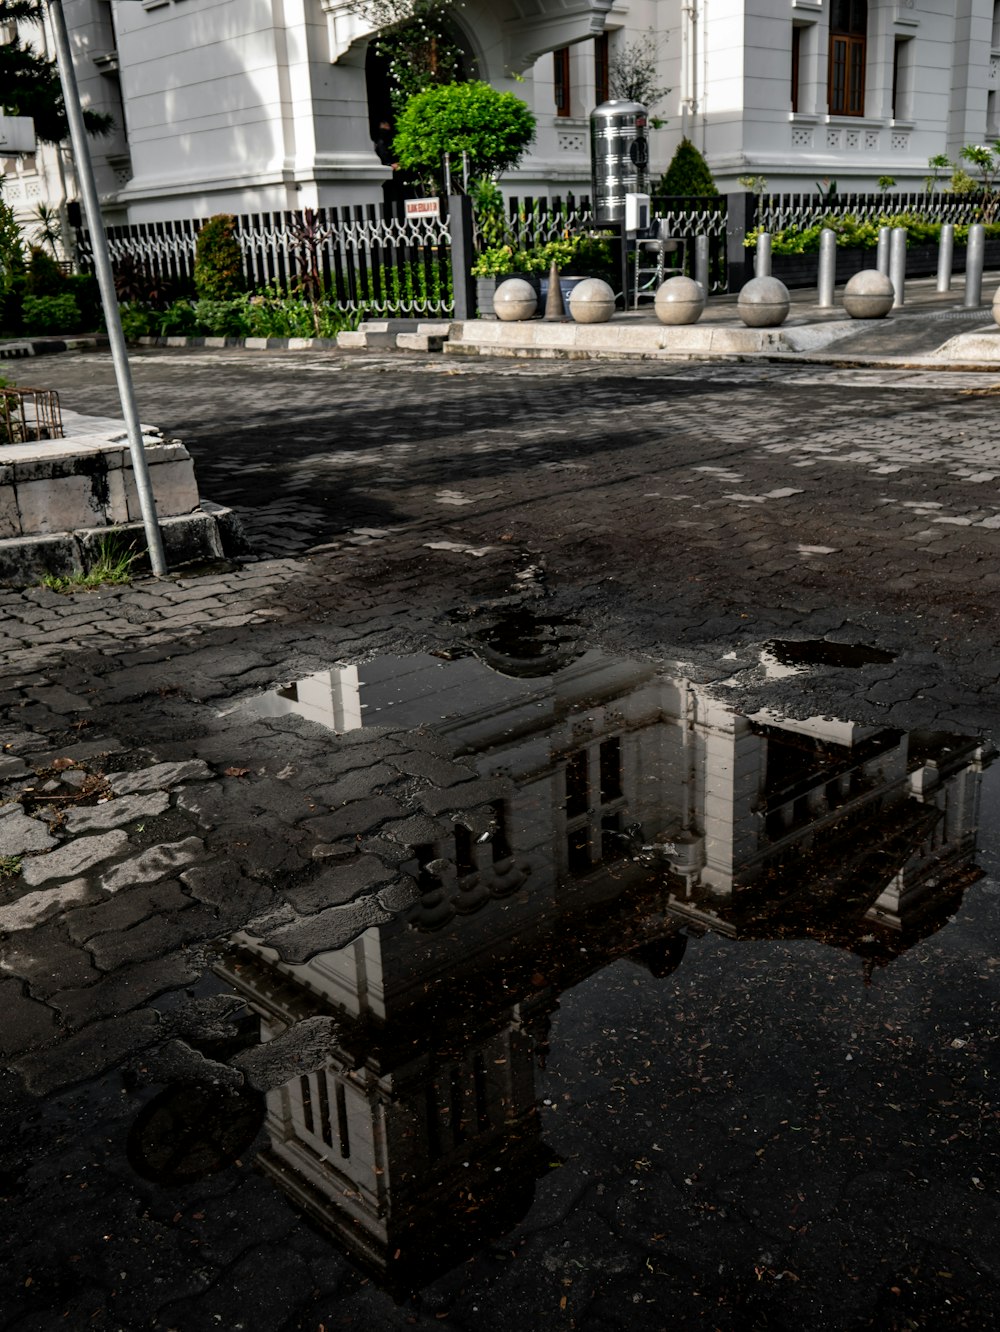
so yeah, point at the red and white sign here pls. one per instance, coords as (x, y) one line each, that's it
(423, 207)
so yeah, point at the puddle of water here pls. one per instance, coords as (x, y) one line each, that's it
(821, 652)
(657, 1005)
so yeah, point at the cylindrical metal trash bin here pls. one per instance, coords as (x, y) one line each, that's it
(619, 157)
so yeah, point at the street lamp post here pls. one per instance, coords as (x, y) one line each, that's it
(105, 281)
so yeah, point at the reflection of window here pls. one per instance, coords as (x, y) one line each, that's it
(594, 805)
(796, 51)
(848, 54)
(601, 61)
(901, 81)
(560, 74)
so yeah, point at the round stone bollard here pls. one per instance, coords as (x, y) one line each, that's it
(680, 300)
(996, 307)
(592, 301)
(868, 295)
(515, 299)
(763, 303)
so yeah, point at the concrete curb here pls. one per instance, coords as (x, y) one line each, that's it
(21, 348)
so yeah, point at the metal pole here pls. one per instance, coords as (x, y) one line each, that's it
(106, 284)
(897, 266)
(701, 263)
(882, 253)
(827, 268)
(762, 259)
(946, 250)
(975, 256)
(446, 161)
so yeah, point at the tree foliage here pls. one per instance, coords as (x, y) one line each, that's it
(632, 72)
(29, 82)
(218, 262)
(495, 129)
(687, 173)
(420, 43)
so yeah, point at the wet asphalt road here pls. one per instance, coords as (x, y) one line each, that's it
(762, 1126)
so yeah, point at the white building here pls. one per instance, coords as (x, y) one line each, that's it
(257, 105)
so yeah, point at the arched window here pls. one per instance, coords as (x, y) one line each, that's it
(848, 55)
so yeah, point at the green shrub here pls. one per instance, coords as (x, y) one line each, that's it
(138, 320)
(222, 318)
(177, 320)
(218, 264)
(51, 314)
(687, 173)
(854, 234)
(83, 287)
(45, 277)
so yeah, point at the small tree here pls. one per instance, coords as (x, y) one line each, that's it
(493, 128)
(218, 263)
(29, 82)
(987, 160)
(632, 72)
(687, 173)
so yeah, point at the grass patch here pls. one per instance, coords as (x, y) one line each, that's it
(113, 565)
(9, 866)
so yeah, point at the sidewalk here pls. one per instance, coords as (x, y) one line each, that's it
(931, 331)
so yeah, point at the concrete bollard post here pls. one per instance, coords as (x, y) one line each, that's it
(701, 263)
(897, 266)
(946, 251)
(882, 253)
(975, 258)
(827, 268)
(762, 259)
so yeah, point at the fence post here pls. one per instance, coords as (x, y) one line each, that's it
(975, 256)
(701, 269)
(462, 255)
(946, 250)
(740, 211)
(762, 255)
(827, 277)
(897, 266)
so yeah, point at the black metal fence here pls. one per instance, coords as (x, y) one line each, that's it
(366, 258)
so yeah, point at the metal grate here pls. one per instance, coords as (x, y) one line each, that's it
(27, 414)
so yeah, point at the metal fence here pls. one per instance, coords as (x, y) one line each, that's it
(687, 216)
(367, 259)
(776, 212)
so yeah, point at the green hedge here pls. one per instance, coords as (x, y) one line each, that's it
(863, 235)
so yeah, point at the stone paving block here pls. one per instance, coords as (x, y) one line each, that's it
(327, 931)
(27, 1024)
(305, 1046)
(221, 884)
(155, 863)
(20, 833)
(73, 858)
(339, 884)
(42, 957)
(356, 786)
(460, 797)
(83, 1056)
(418, 830)
(353, 820)
(433, 769)
(160, 776)
(35, 908)
(115, 813)
(125, 910)
(127, 988)
(152, 938)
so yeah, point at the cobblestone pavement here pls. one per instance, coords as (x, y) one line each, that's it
(691, 512)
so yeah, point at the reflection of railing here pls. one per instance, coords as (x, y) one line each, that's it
(367, 259)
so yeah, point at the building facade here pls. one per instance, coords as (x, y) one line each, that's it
(259, 105)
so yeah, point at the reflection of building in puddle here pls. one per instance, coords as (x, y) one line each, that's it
(612, 804)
